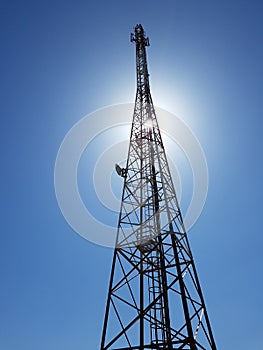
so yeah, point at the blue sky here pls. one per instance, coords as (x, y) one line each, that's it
(61, 60)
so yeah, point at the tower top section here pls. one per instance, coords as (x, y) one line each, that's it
(139, 36)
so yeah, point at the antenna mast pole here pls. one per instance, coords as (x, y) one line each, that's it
(154, 299)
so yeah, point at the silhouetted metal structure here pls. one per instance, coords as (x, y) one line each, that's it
(155, 299)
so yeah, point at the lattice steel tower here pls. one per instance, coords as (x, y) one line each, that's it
(155, 299)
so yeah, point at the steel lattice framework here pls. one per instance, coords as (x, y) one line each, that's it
(155, 299)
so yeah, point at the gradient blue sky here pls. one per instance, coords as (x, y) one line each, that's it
(61, 60)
